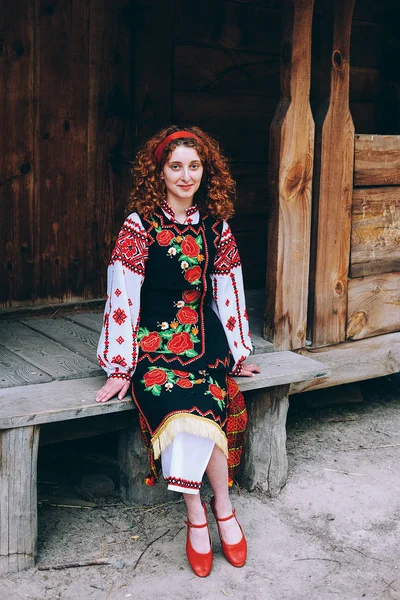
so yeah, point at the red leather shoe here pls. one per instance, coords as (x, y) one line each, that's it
(201, 563)
(236, 554)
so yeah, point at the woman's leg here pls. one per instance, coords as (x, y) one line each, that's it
(217, 473)
(199, 537)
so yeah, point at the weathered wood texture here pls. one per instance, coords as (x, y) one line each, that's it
(71, 335)
(66, 137)
(90, 320)
(377, 160)
(375, 231)
(36, 404)
(17, 150)
(264, 465)
(110, 131)
(18, 498)
(153, 59)
(45, 354)
(15, 371)
(374, 305)
(134, 468)
(332, 184)
(354, 361)
(33, 404)
(279, 368)
(290, 175)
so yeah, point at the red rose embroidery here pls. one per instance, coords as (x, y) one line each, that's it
(187, 316)
(216, 391)
(154, 377)
(151, 342)
(193, 274)
(190, 296)
(190, 247)
(165, 237)
(184, 383)
(180, 342)
(180, 373)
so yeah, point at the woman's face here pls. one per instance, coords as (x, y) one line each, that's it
(182, 174)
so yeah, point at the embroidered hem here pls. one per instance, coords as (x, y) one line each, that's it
(183, 483)
(179, 422)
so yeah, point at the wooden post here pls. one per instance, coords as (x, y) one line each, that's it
(264, 464)
(332, 185)
(134, 467)
(18, 498)
(290, 175)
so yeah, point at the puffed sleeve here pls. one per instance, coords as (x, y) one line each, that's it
(228, 295)
(117, 350)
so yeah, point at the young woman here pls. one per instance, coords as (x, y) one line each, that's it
(175, 326)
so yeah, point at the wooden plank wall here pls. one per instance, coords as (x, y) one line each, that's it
(66, 140)
(68, 124)
(374, 290)
(226, 80)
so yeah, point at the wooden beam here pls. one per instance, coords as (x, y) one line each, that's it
(134, 467)
(354, 361)
(37, 404)
(333, 183)
(153, 51)
(290, 176)
(18, 498)
(374, 305)
(375, 231)
(377, 160)
(265, 465)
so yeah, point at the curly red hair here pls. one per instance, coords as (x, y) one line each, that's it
(217, 190)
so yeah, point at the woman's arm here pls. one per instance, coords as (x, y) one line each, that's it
(229, 301)
(117, 348)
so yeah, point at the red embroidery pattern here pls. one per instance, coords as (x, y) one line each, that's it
(230, 324)
(238, 369)
(118, 292)
(228, 254)
(170, 211)
(119, 360)
(131, 247)
(119, 316)
(184, 483)
(120, 340)
(227, 302)
(235, 290)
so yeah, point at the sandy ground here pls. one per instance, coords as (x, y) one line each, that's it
(332, 533)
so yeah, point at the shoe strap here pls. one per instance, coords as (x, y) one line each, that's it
(189, 524)
(232, 516)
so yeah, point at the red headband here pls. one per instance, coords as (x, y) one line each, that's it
(173, 136)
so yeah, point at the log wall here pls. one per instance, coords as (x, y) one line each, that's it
(83, 82)
(374, 287)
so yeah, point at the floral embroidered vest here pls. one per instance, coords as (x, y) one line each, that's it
(178, 327)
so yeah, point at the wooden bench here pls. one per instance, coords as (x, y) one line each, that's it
(25, 409)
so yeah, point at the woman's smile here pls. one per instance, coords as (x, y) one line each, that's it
(182, 174)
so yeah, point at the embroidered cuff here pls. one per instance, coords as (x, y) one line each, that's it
(125, 376)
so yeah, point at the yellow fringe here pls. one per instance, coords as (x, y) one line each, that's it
(190, 424)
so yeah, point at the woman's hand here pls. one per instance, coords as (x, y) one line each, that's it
(248, 369)
(111, 388)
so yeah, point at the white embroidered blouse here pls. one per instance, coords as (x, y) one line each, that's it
(117, 349)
